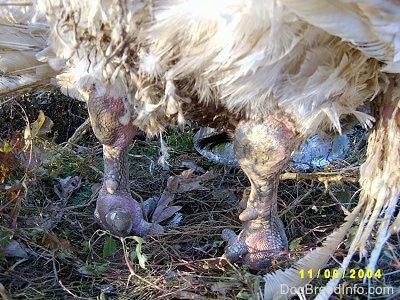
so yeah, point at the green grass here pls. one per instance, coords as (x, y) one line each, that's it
(180, 141)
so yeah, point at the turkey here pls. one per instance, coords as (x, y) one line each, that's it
(273, 72)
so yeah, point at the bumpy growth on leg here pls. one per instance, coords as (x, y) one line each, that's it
(262, 148)
(116, 210)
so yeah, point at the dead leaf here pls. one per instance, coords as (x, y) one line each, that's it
(178, 184)
(176, 220)
(65, 244)
(16, 249)
(223, 287)
(187, 182)
(66, 187)
(8, 161)
(40, 127)
(188, 164)
(93, 269)
(6, 148)
(187, 295)
(50, 241)
(161, 212)
(44, 222)
(187, 173)
(168, 212)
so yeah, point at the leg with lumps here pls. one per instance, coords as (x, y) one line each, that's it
(262, 148)
(116, 210)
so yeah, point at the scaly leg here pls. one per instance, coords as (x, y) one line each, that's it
(262, 148)
(116, 210)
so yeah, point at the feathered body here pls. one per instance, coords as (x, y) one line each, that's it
(250, 57)
(315, 62)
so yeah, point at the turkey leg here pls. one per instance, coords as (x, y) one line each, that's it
(116, 210)
(262, 148)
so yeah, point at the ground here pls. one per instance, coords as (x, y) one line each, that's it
(51, 247)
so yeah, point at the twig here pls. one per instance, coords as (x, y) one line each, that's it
(54, 268)
(132, 271)
(61, 284)
(15, 265)
(67, 290)
(79, 132)
(345, 210)
(3, 292)
(324, 177)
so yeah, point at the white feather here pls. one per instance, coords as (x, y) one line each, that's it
(315, 61)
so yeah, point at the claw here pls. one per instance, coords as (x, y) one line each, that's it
(257, 244)
(149, 206)
(236, 247)
(155, 229)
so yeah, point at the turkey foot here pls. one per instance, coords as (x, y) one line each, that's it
(262, 148)
(116, 210)
(257, 244)
(122, 216)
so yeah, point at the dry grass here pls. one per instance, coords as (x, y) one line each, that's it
(60, 253)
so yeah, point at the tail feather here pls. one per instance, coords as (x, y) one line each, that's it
(211, 141)
(20, 42)
(380, 182)
(16, 11)
(380, 176)
(315, 260)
